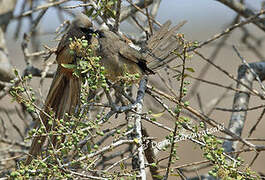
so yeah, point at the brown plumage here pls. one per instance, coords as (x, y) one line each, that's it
(64, 93)
(117, 58)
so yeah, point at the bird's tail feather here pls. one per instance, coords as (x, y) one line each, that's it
(63, 97)
(161, 44)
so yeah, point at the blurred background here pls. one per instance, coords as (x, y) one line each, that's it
(205, 18)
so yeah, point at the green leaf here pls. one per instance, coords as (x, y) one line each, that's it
(190, 69)
(69, 66)
(15, 72)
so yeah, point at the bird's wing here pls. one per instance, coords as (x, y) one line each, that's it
(131, 54)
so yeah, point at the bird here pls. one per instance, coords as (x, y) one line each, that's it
(118, 58)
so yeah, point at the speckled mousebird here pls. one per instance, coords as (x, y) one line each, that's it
(116, 56)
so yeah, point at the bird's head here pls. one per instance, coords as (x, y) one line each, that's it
(82, 22)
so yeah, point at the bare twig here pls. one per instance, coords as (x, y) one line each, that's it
(41, 7)
(251, 69)
(231, 28)
(102, 150)
(244, 11)
(230, 75)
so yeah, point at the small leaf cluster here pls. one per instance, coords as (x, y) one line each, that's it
(22, 92)
(183, 55)
(87, 63)
(128, 79)
(40, 170)
(223, 167)
(48, 165)
(106, 7)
